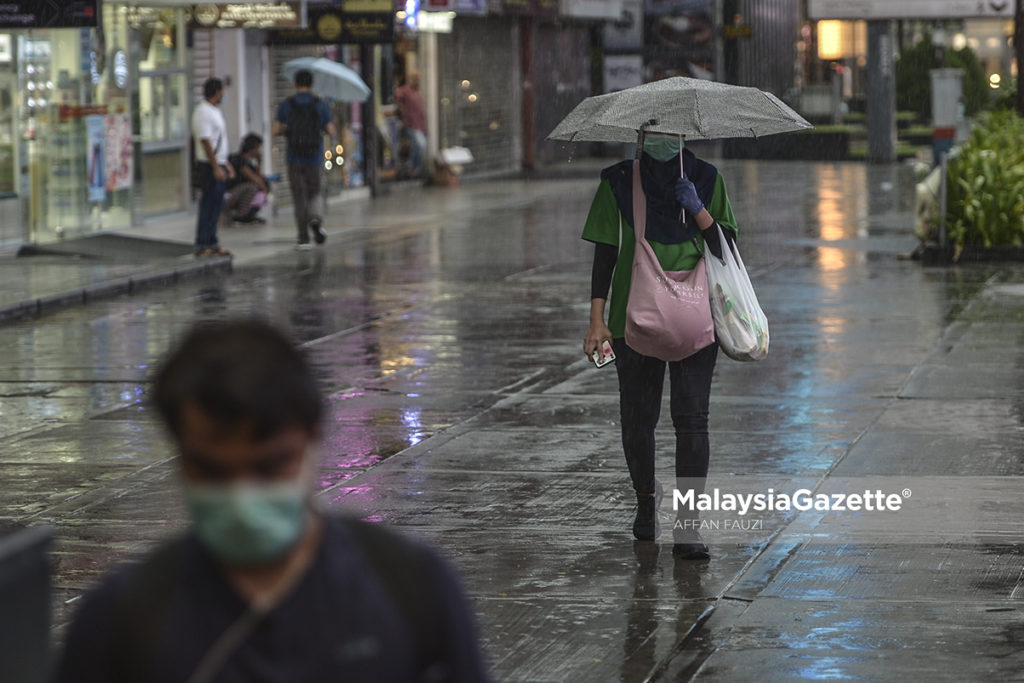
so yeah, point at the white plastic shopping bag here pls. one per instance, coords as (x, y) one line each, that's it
(740, 324)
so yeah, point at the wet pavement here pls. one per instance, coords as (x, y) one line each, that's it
(446, 326)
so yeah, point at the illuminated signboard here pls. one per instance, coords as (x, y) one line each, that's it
(244, 15)
(342, 24)
(909, 9)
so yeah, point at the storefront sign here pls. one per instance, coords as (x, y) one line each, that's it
(48, 13)
(534, 8)
(475, 7)
(436, 22)
(734, 31)
(592, 9)
(341, 24)
(909, 9)
(244, 15)
(623, 71)
(627, 32)
(68, 112)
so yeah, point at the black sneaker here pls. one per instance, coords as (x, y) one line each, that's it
(688, 545)
(318, 232)
(646, 525)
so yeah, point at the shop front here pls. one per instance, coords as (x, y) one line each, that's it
(87, 112)
(61, 117)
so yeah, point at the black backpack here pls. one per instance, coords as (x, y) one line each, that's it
(303, 131)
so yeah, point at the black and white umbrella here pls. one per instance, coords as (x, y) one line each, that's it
(694, 108)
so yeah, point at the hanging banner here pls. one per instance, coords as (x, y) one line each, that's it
(119, 156)
(96, 175)
(49, 13)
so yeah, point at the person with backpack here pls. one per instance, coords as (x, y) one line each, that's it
(302, 119)
(265, 585)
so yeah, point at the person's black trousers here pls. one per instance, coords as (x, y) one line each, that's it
(641, 379)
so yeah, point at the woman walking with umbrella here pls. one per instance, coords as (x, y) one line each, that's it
(701, 196)
(673, 183)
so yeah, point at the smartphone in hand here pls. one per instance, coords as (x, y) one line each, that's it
(604, 355)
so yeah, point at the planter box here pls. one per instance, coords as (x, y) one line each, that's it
(934, 255)
(809, 146)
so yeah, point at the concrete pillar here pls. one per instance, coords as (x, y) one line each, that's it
(881, 93)
(431, 89)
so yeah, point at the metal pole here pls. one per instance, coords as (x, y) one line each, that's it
(881, 93)
(1018, 48)
(944, 163)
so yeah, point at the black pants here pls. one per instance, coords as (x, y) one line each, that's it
(641, 379)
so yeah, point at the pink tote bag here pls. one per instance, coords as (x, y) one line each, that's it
(668, 313)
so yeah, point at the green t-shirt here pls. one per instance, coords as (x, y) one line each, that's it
(603, 226)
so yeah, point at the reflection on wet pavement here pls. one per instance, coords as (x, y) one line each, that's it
(461, 408)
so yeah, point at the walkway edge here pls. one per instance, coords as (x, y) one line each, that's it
(107, 289)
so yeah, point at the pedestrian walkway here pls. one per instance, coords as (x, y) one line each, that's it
(112, 263)
(447, 328)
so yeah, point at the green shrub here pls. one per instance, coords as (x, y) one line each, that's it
(985, 205)
(914, 83)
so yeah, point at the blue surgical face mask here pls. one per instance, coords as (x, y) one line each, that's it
(662, 147)
(248, 524)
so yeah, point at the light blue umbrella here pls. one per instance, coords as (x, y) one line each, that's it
(330, 79)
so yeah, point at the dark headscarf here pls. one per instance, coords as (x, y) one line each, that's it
(658, 179)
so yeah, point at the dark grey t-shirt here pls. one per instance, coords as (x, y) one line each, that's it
(340, 623)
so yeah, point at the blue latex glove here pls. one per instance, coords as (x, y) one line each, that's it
(686, 193)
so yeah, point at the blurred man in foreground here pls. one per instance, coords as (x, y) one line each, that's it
(264, 586)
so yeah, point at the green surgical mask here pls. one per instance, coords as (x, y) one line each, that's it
(248, 524)
(662, 147)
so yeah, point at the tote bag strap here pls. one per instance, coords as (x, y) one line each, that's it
(639, 203)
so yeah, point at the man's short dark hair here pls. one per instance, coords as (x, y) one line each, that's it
(212, 86)
(250, 142)
(240, 374)
(304, 78)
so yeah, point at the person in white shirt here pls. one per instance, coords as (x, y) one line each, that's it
(212, 170)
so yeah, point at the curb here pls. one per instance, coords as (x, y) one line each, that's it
(107, 289)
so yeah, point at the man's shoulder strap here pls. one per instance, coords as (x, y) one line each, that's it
(402, 568)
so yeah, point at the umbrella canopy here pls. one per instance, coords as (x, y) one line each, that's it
(331, 79)
(691, 107)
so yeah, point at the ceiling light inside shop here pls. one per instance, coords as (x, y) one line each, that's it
(830, 39)
(472, 97)
(959, 41)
